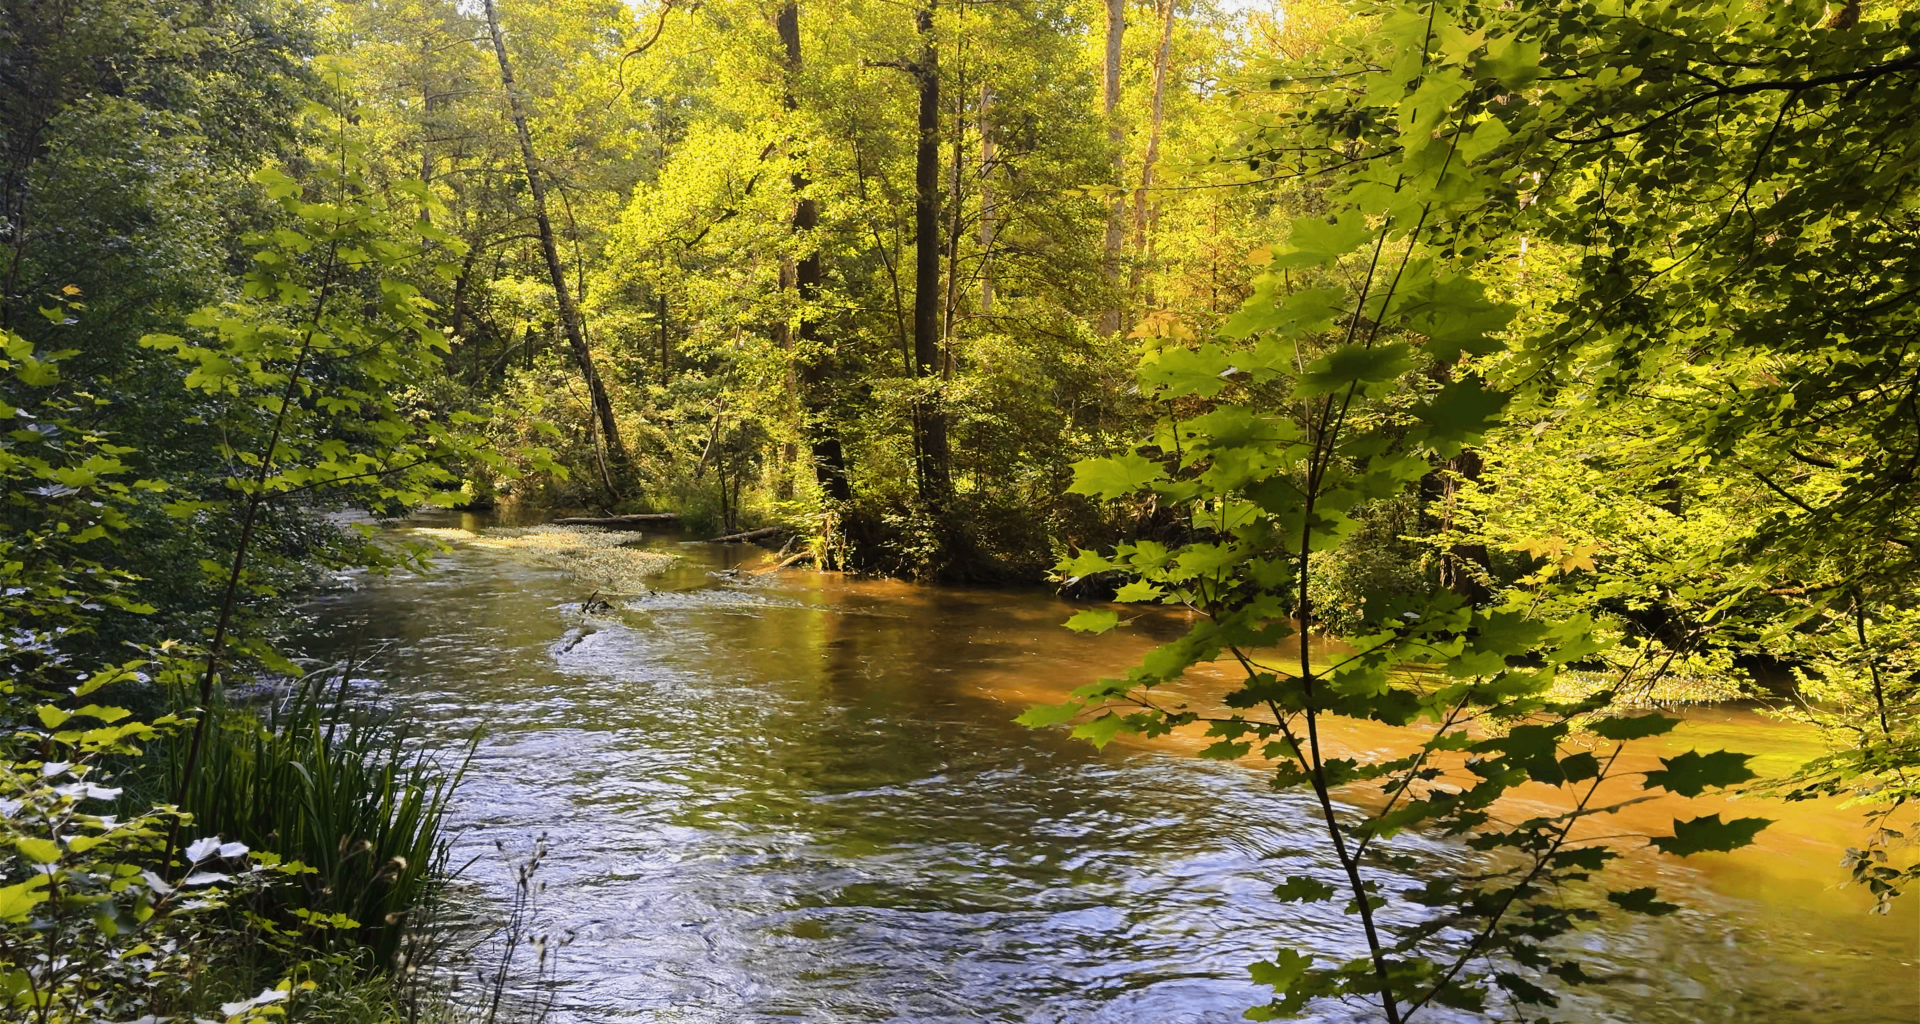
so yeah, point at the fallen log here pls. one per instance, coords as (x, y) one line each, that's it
(750, 536)
(627, 522)
(791, 560)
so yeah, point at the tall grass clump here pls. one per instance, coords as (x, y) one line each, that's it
(323, 780)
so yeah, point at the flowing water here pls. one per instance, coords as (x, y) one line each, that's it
(800, 797)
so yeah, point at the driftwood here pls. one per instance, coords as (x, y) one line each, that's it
(804, 556)
(751, 535)
(627, 522)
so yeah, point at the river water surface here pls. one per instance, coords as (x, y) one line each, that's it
(801, 797)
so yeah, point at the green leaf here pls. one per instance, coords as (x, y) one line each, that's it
(1094, 620)
(1692, 772)
(1139, 590)
(40, 851)
(1641, 901)
(1317, 242)
(1301, 889)
(1183, 371)
(1512, 61)
(1619, 729)
(1456, 315)
(1086, 563)
(17, 901)
(1709, 834)
(1283, 971)
(1463, 410)
(1100, 731)
(1350, 365)
(1113, 478)
(1042, 715)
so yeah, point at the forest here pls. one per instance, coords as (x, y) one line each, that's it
(940, 510)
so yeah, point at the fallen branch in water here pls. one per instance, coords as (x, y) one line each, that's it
(804, 556)
(750, 535)
(627, 522)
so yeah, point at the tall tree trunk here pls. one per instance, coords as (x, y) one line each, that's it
(1156, 118)
(1116, 141)
(987, 224)
(955, 208)
(569, 312)
(815, 370)
(426, 116)
(930, 423)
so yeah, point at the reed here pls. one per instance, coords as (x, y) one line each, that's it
(322, 780)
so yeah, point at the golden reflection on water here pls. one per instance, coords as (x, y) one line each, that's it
(1793, 863)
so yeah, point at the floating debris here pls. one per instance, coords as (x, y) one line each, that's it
(1668, 689)
(608, 562)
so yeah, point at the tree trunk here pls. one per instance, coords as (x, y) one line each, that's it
(815, 369)
(987, 225)
(569, 312)
(1463, 567)
(1155, 119)
(1116, 141)
(955, 207)
(930, 424)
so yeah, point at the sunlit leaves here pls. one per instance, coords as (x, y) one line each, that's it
(1115, 477)
(1083, 563)
(1315, 242)
(1042, 715)
(1100, 731)
(1180, 371)
(1093, 620)
(1511, 60)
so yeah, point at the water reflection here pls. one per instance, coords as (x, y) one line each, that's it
(803, 798)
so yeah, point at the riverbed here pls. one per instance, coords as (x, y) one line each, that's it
(798, 796)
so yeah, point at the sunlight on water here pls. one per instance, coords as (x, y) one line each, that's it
(799, 797)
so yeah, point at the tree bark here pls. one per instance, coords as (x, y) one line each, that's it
(1463, 567)
(930, 423)
(569, 311)
(955, 206)
(1116, 142)
(815, 369)
(987, 224)
(1156, 118)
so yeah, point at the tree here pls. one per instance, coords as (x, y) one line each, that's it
(1116, 137)
(829, 456)
(563, 292)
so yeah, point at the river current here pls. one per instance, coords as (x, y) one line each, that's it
(797, 797)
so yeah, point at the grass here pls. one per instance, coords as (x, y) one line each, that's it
(323, 781)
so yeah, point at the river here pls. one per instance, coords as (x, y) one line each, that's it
(800, 797)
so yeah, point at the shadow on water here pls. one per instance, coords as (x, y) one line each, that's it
(803, 798)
